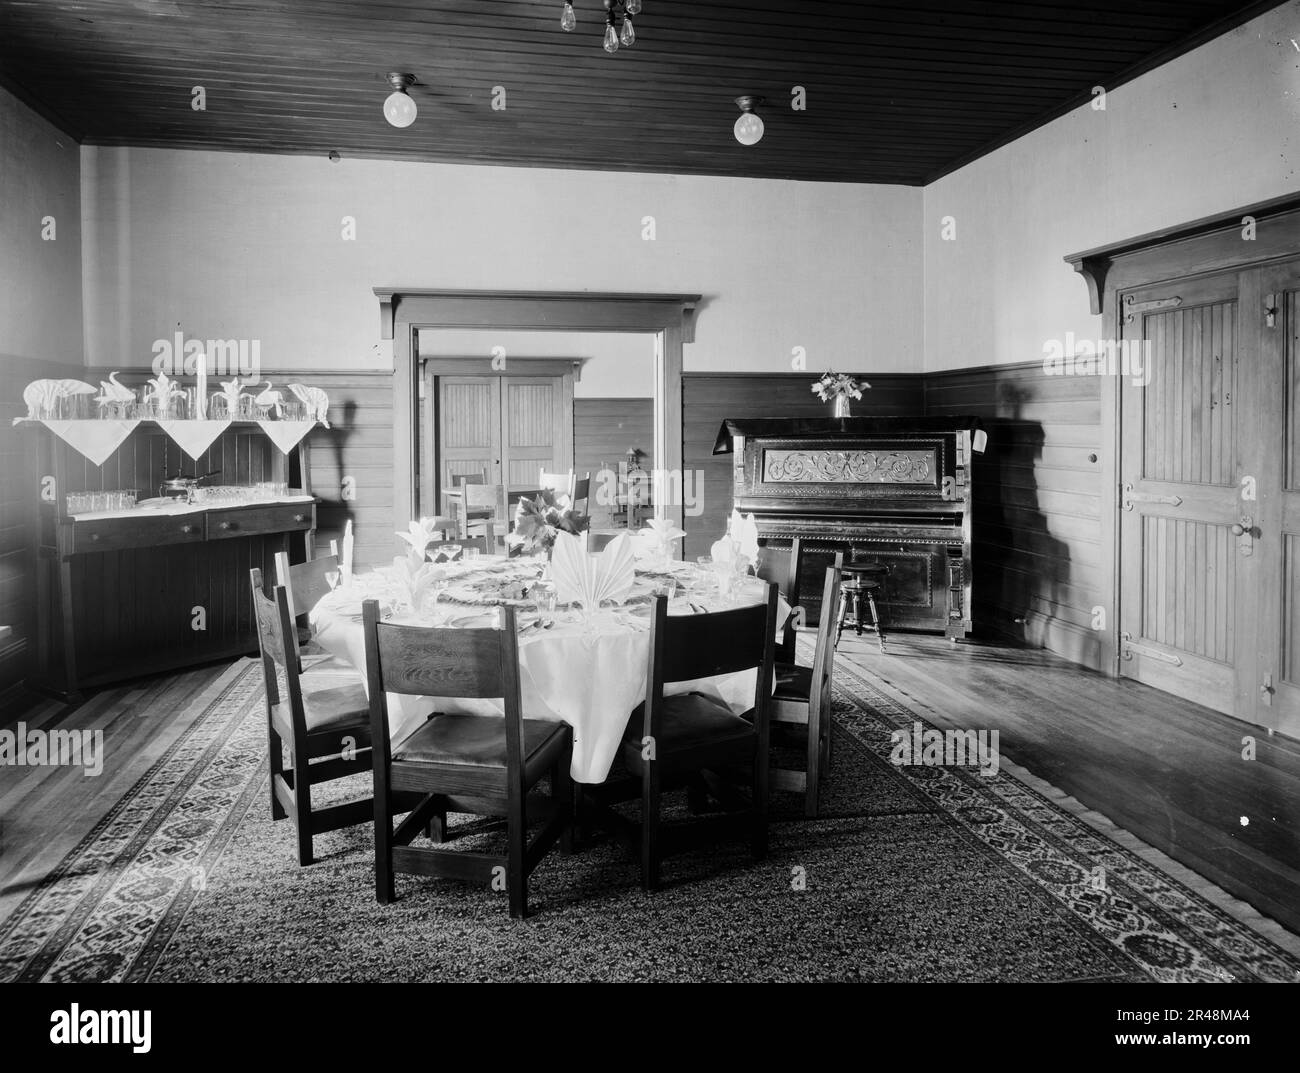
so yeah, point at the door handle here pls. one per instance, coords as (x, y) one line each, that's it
(1131, 497)
(1244, 531)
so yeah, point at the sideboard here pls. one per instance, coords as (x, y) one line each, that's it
(124, 594)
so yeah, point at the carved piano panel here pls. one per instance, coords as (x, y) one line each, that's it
(892, 491)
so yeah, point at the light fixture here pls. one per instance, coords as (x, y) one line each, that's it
(749, 127)
(399, 109)
(618, 22)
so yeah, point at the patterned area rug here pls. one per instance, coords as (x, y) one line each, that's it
(913, 873)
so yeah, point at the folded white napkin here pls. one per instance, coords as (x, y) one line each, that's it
(589, 579)
(415, 580)
(656, 539)
(740, 542)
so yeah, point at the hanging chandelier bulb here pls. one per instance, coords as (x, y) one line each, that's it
(628, 36)
(749, 127)
(611, 36)
(399, 109)
(568, 20)
(633, 7)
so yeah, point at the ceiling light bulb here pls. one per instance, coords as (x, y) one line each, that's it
(628, 36)
(633, 7)
(749, 129)
(611, 38)
(399, 109)
(568, 20)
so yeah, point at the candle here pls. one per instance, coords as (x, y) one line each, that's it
(200, 410)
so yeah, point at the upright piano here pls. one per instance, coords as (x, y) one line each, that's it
(890, 491)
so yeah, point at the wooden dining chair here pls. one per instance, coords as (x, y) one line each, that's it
(325, 731)
(435, 548)
(782, 569)
(481, 764)
(694, 740)
(559, 483)
(581, 494)
(484, 512)
(802, 698)
(305, 584)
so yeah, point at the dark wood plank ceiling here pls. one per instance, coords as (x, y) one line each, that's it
(897, 90)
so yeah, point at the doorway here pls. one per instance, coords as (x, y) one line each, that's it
(669, 318)
(1209, 527)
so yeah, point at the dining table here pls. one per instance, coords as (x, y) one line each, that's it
(584, 667)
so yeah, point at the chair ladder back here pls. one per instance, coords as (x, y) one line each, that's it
(305, 583)
(278, 644)
(701, 646)
(824, 659)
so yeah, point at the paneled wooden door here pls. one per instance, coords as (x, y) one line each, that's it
(1210, 494)
(1272, 295)
(505, 427)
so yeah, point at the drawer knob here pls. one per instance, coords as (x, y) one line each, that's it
(227, 525)
(94, 536)
(187, 528)
(300, 517)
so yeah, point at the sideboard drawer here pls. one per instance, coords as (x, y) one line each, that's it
(250, 521)
(112, 534)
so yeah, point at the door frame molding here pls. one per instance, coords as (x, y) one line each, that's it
(404, 311)
(1209, 246)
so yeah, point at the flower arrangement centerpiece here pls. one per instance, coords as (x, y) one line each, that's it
(540, 519)
(840, 387)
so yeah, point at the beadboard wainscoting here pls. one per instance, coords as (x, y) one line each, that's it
(1037, 502)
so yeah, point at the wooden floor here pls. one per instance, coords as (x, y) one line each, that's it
(46, 811)
(1163, 769)
(1166, 770)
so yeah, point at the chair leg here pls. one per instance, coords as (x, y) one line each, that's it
(563, 790)
(650, 831)
(385, 890)
(875, 618)
(812, 785)
(302, 806)
(436, 828)
(277, 770)
(516, 874)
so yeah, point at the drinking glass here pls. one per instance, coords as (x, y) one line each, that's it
(666, 587)
(332, 578)
(543, 592)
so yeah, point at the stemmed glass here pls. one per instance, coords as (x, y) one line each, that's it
(332, 579)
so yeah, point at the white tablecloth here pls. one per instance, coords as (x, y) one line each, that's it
(588, 678)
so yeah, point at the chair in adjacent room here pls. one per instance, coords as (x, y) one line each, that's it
(484, 512)
(694, 740)
(325, 731)
(480, 764)
(802, 698)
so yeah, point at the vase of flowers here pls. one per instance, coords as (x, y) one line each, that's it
(839, 388)
(540, 519)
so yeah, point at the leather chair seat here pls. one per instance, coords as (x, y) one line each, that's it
(689, 719)
(337, 708)
(793, 682)
(472, 740)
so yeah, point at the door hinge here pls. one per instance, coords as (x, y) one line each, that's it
(1131, 497)
(1266, 691)
(1270, 309)
(1150, 653)
(1132, 308)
